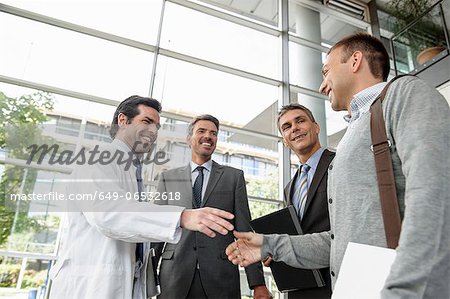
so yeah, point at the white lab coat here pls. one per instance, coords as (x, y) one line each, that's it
(97, 258)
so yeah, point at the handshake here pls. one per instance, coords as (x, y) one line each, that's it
(246, 250)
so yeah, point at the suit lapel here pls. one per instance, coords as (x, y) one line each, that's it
(214, 177)
(321, 170)
(186, 186)
(290, 189)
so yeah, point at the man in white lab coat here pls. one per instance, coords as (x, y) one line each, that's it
(99, 256)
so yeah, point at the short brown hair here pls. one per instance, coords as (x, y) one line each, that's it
(294, 106)
(202, 117)
(372, 48)
(129, 107)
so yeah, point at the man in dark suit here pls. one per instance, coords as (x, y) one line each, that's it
(197, 267)
(307, 191)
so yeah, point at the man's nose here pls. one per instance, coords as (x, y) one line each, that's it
(153, 127)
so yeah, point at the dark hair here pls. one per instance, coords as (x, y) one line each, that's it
(202, 117)
(129, 107)
(372, 48)
(294, 106)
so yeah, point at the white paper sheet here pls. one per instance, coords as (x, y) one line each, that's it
(363, 272)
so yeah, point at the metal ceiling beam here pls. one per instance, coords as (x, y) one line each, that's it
(307, 91)
(307, 43)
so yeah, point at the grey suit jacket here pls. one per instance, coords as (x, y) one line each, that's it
(315, 218)
(220, 278)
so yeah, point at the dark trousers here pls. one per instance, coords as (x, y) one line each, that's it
(316, 293)
(196, 291)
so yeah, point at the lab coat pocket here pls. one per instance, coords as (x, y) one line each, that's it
(102, 281)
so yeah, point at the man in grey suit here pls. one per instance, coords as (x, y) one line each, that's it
(300, 133)
(197, 267)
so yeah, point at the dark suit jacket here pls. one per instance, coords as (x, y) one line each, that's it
(220, 278)
(315, 218)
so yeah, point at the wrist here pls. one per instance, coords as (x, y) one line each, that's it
(182, 220)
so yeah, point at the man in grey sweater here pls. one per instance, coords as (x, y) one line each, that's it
(417, 121)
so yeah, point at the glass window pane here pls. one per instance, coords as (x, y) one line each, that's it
(305, 66)
(34, 276)
(261, 10)
(416, 47)
(189, 89)
(31, 224)
(244, 151)
(48, 55)
(220, 41)
(135, 19)
(259, 208)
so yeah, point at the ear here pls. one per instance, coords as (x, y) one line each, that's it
(356, 61)
(122, 119)
(317, 128)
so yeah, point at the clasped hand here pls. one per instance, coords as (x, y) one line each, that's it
(246, 250)
(207, 221)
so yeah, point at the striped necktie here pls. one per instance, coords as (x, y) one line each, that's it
(303, 193)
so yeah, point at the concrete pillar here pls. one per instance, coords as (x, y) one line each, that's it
(310, 65)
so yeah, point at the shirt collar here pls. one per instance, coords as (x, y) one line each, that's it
(122, 146)
(313, 161)
(207, 165)
(362, 101)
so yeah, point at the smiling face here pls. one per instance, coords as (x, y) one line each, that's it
(337, 80)
(203, 141)
(300, 133)
(140, 132)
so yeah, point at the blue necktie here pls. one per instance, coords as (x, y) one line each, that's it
(198, 186)
(303, 193)
(140, 185)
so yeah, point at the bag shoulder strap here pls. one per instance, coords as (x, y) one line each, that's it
(385, 173)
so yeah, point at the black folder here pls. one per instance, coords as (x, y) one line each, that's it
(287, 278)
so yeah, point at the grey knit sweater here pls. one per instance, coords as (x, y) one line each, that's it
(418, 124)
